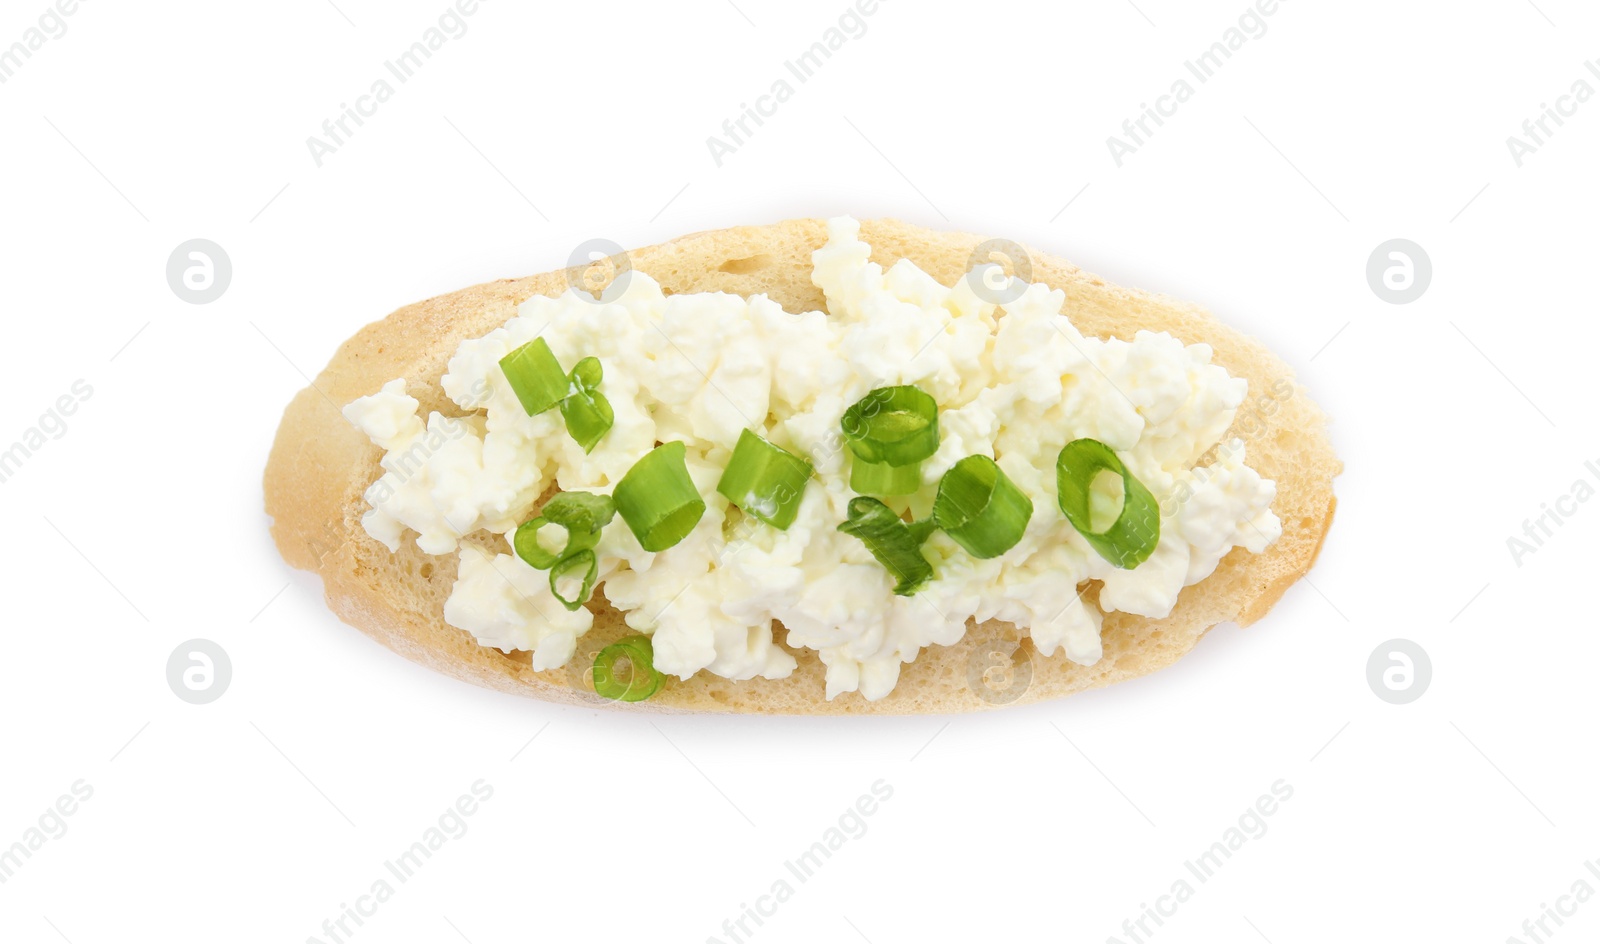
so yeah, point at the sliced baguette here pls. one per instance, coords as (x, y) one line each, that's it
(320, 465)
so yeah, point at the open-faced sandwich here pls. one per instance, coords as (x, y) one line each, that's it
(814, 467)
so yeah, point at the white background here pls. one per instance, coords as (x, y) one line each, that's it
(257, 817)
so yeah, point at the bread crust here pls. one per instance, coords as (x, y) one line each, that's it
(320, 466)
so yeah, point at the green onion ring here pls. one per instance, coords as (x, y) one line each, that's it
(586, 410)
(893, 425)
(569, 563)
(895, 544)
(1130, 540)
(581, 514)
(657, 498)
(643, 679)
(981, 508)
(586, 374)
(526, 543)
(535, 376)
(764, 480)
(881, 478)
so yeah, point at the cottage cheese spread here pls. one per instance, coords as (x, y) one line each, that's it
(1014, 382)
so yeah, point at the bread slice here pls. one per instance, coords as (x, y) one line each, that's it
(320, 465)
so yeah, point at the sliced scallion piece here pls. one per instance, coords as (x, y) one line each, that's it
(625, 670)
(981, 508)
(1129, 540)
(535, 376)
(881, 478)
(897, 425)
(890, 432)
(526, 543)
(581, 514)
(657, 498)
(569, 564)
(586, 410)
(585, 510)
(586, 374)
(539, 383)
(764, 480)
(896, 544)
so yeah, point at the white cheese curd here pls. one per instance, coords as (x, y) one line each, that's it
(434, 475)
(509, 606)
(1014, 382)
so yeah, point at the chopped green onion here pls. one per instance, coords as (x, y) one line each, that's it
(896, 544)
(881, 478)
(569, 564)
(539, 383)
(1128, 541)
(586, 374)
(526, 543)
(586, 410)
(658, 500)
(894, 425)
(980, 508)
(573, 510)
(536, 376)
(636, 679)
(581, 514)
(764, 480)
(890, 432)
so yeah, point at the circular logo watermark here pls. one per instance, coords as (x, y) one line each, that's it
(1399, 671)
(580, 668)
(1399, 271)
(199, 671)
(199, 271)
(987, 275)
(999, 672)
(600, 270)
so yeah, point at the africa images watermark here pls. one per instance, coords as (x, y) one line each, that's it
(1537, 131)
(337, 131)
(736, 131)
(1137, 131)
(451, 824)
(52, 424)
(1251, 824)
(1537, 530)
(52, 24)
(51, 824)
(1538, 930)
(403, 464)
(1251, 422)
(852, 824)
(401, 467)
